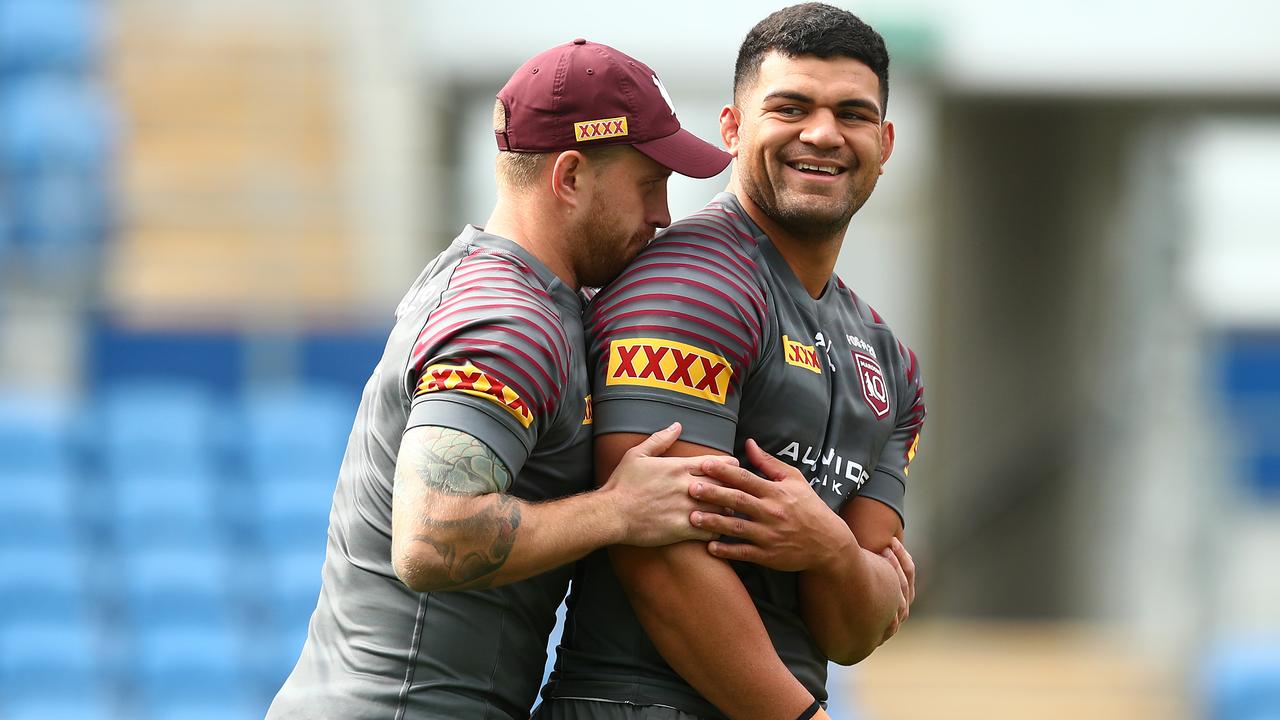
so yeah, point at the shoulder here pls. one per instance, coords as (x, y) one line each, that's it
(885, 347)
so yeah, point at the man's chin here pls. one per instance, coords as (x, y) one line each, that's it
(815, 210)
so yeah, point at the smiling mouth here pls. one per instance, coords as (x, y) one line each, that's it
(814, 169)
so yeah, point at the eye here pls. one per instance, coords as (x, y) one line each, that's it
(853, 116)
(789, 111)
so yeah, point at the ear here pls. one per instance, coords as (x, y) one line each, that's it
(730, 123)
(886, 143)
(569, 179)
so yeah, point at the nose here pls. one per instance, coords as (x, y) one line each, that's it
(822, 130)
(656, 212)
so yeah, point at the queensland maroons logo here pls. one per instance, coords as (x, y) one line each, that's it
(871, 378)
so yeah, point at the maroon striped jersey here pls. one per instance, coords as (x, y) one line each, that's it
(710, 326)
(487, 341)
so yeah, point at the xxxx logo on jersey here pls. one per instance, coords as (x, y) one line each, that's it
(472, 380)
(805, 356)
(586, 414)
(669, 365)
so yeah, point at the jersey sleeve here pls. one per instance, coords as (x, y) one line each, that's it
(490, 359)
(888, 482)
(674, 337)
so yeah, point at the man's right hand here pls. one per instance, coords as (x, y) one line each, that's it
(651, 492)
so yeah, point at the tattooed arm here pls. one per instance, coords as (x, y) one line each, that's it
(454, 528)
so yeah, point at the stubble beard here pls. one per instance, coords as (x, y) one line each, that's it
(603, 248)
(802, 216)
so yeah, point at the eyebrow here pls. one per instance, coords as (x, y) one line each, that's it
(802, 98)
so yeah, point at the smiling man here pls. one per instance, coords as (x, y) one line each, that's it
(733, 323)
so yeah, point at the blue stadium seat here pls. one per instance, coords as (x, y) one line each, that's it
(78, 703)
(50, 122)
(35, 434)
(293, 587)
(38, 509)
(191, 666)
(43, 659)
(158, 430)
(42, 35)
(180, 513)
(43, 585)
(178, 587)
(1242, 681)
(297, 434)
(294, 515)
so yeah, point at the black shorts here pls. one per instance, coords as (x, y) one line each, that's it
(600, 710)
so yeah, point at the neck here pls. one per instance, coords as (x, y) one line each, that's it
(811, 255)
(533, 228)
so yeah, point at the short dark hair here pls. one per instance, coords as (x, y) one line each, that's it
(815, 29)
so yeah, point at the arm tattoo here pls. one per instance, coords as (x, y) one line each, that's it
(463, 513)
(485, 541)
(456, 463)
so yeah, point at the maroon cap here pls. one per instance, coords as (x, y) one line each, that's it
(584, 94)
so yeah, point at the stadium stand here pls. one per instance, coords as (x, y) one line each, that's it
(1242, 681)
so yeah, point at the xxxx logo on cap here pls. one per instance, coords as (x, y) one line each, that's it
(599, 129)
(469, 379)
(669, 365)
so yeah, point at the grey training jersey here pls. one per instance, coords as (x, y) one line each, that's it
(709, 326)
(487, 341)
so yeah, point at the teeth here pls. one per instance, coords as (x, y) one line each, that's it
(819, 168)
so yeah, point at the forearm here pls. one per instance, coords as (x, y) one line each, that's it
(848, 605)
(490, 540)
(697, 613)
(453, 527)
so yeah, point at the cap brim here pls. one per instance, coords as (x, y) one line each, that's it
(687, 154)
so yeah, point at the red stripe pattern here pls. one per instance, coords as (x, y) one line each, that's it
(496, 315)
(698, 283)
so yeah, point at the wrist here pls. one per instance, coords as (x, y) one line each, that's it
(840, 557)
(614, 520)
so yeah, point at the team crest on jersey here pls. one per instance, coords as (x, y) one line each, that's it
(586, 413)
(800, 355)
(469, 379)
(599, 129)
(669, 365)
(874, 390)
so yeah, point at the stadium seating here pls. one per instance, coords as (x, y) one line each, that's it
(43, 584)
(193, 671)
(296, 434)
(179, 587)
(42, 35)
(158, 430)
(38, 510)
(45, 659)
(184, 533)
(1242, 681)
(35, 434)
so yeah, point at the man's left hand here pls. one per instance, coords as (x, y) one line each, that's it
(782, 522)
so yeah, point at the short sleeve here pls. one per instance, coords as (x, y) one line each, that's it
(888, 482)
(674, 337)
(491, 358)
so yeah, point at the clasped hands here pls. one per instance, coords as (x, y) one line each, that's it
(781, 523)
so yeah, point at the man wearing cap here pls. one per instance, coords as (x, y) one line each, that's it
(733, 323)
(465, 492)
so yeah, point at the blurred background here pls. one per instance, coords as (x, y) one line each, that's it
(209, 209)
